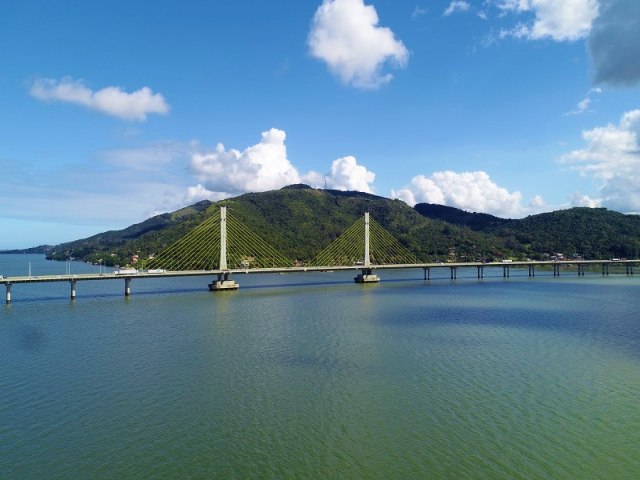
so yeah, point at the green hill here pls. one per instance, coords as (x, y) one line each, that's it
(298, 221)
(588, 232)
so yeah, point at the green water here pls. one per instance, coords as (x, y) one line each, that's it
(313, 376)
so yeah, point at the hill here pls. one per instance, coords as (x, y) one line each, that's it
(115, 245)
(475, 221)
(298, 221)
(587, 232)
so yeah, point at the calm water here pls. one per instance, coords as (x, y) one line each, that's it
(313, 376)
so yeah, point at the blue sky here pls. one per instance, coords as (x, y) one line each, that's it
(111, 112)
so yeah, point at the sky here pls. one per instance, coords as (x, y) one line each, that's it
(111, 112)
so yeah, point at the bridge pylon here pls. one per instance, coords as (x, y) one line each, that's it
(367, 276)
(223, 282)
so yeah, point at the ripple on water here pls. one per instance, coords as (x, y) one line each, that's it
(493, 379)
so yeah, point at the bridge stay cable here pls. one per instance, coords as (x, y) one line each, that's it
(349, 248)
(224, 243)
(201, 248)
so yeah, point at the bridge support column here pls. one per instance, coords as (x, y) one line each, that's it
(629, 269)
(367, 276)
(580, 270)
(427, 273)
(223, 283)
(556, 270)
(506, 273)
(532, 271)
(605, 269)
(454, 273)
(73, 289)
(480, 272)
(127, 286)
(8, 296)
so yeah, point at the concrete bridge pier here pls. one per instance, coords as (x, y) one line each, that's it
(454, 273)
(605, 269)
(556, 270)
(127, 286)
(223, 283)
(480, 272)
(580, 269)
(427, 273)
(8, 296)
(629, 269)
(532, 271)
(506, 272)
(367, 276)
(73, 289)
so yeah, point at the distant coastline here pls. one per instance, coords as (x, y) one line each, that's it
(42, 249)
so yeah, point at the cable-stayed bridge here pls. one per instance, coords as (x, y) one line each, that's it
(222, 246)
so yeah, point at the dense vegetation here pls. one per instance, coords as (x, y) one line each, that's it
(300, 221)
(592, 233)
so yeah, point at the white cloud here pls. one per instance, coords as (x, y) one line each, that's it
(519, 31)
(474, 191)
(110, 100)
(86, 194)
(560, 20)
(537, 202)
(612, 158)
(580, 200)
(346, 174)
(457, 6)
(149, 157)
(346, 36)
(419, 11)
(198, 193)
(584, 104)
(265, 166)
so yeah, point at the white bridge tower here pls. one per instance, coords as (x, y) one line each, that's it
(366, 276)
(223, 282)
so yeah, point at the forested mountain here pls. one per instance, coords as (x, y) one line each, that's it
(588, 232)
(475, 221)
(300, 221)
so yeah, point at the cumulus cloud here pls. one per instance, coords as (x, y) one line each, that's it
(537, 202)
(580, 200)
(110, 100)
(612, 157)
(346, 174)
(346, 36)
(566, 20)
(473, 191)
(614, 43)
(457, 6)
(265, 166)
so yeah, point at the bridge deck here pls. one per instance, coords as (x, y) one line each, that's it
(194, 273)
